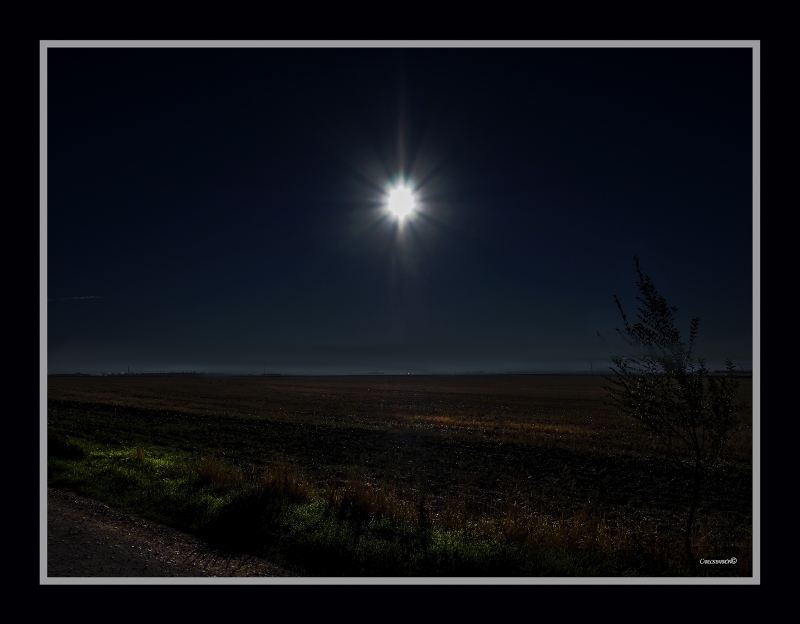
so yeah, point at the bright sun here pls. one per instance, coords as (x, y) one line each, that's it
(401, 201)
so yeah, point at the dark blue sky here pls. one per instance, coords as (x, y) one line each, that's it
(223, 209)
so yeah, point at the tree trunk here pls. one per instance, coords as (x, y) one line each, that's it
(693, 507)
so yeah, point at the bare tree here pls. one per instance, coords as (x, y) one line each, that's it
(674, 395)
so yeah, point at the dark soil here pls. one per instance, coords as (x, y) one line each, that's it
(483, 473)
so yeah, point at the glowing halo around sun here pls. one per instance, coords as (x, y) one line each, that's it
(401, 201)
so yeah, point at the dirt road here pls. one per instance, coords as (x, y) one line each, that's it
(87, 539)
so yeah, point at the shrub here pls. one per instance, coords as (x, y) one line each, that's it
(674, 395)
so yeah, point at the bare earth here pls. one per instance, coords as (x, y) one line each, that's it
(86, 538)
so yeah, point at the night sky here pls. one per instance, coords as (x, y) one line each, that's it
(224, 209)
